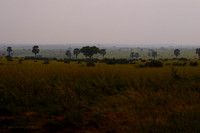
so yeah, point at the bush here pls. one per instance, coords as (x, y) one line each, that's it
(116, 61)
(109, 61)
(193, 63)
(143, 60)
(133, 62)
(179, 64)
(66, 61)
(183, 59)
(45, 62)
(90, 64)
(154, 63)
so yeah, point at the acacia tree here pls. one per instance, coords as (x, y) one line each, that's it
(76, 52)
(154, 54)
(149, 54)
(132, 55)
(89, 51)
(9, 49)
(103, 52)
(198, 52)
(137, 55)
(35, 50)
(176, 52)
(68, 54)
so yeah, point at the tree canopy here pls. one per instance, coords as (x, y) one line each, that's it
(35, 49)
(89, 51)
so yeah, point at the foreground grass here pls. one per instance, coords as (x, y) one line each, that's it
(72, 97)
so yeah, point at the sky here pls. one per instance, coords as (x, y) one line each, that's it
(100, 21)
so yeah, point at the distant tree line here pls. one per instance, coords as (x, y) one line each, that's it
(89, 51)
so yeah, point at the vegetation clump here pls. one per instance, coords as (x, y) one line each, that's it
(179, 64)
(66, 61)
(46, 62)
(193, 63)
(153, 63)
(90, 63)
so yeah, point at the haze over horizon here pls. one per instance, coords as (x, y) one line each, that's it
(128, 22)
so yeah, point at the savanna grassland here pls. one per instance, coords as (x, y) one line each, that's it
(73, 97)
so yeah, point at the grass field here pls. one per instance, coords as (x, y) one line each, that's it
(72, 97)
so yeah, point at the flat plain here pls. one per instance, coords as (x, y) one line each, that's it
(44, 96)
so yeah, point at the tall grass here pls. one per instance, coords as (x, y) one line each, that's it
(103, 98)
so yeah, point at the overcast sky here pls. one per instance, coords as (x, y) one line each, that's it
(100, 21)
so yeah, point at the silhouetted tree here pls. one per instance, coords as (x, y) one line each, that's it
(76, 52)
(137, 55)
(9, 49)
(198, 52)
(132, 55)
(149, 54)
(176, 52)
(89, 51)
(68, 54)
(103, 52)
(35, 50)
(154, 54)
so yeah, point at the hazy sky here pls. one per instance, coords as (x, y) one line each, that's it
(100, 21)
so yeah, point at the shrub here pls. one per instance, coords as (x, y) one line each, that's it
(109, 61)
(116, 61)
(183, 59)
(143, 60)
(193, 63)
(46, 62)
(179, 64)
(154, 63)
(133, 62)
(66, 61)
(90, 64)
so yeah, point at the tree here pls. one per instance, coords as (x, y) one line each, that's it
(149, 54)
(132, 55)
(68, 54)
(9, 49)
(89, 51)
(35, 49)
(198, 52)
(137, 55)
(154, 54)
(76, 52)
(103, 52)
(176, 52)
